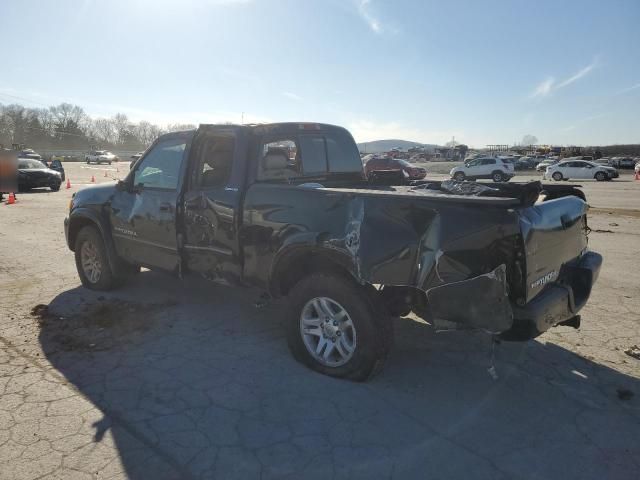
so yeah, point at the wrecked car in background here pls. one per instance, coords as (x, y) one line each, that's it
(287, 208)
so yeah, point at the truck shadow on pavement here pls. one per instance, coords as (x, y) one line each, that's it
(195, 382)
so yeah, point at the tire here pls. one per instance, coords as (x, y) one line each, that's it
(600, 176)
(89, 237)
(55, 187)
(497, 176)
(459, 176)
(557, 176)
(362, 338)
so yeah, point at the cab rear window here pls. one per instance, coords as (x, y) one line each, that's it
(330, 153)
(312, 154)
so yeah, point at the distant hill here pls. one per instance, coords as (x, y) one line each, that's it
(378, 146)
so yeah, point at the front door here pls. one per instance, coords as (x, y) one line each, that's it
(585, 170)
(212, 206)
(487, 167)
(143, 216)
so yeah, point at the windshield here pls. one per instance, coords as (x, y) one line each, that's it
(30, 164)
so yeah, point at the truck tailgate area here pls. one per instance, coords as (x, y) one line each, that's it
(554, 234)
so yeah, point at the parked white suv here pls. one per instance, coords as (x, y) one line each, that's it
(578, 169)
(100, 156)
(497, 169)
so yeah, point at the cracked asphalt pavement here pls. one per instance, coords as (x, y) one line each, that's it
(169, 379)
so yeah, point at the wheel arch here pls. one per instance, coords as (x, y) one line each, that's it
(297, 262)
(84, 217)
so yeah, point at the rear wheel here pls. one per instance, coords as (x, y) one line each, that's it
(459, 176)
(557, 176)
(335, 327)
(601, 176)
(497, 176)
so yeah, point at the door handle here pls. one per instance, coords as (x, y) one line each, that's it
(165, 207)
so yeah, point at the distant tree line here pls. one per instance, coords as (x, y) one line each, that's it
(631, 150)
(68, 127)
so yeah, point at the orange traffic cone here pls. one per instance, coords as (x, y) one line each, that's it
(637, 175)
(12, 199)
(68, 183)
(93, 179)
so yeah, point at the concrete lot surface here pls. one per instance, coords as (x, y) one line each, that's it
(165, 379)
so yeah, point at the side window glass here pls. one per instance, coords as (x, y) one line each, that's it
(161, 167)
(314, 154)
(279, 159)
(216, 159)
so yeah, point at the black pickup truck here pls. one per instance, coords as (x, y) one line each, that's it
(286, 208)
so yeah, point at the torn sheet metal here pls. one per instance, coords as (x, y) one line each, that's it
(480, 302)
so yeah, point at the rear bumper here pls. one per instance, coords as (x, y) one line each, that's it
(559, 303)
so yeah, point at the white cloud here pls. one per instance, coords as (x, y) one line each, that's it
(549, 85)
(292, 96)
(544, 88)
(365, 12)
(629, 89)
(577, 76)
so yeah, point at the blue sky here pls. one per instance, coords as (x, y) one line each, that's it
(566, 71)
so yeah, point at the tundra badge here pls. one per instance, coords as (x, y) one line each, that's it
(549, 277)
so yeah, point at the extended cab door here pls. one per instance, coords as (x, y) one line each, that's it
(143, 211)
(212, 203)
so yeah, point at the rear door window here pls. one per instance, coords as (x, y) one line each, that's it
(279, 159)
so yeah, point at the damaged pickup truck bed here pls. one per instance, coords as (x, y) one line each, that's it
(286, 208)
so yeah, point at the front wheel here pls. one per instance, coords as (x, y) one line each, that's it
(92, 261)
(459, 176)
(335, 327)
(557, 176)
(55, 187)
(601, 176)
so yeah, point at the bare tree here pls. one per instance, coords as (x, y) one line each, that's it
(104, 130)
(147, 132)
(529, 140)
(121, 126)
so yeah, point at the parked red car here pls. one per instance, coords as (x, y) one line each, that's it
(387, 163)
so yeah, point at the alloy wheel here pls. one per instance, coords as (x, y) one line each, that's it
(91, 264)
(327, 331)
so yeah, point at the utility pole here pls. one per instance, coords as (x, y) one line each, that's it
(242, 120)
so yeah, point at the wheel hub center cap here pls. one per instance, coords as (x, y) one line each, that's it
(329, 329)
